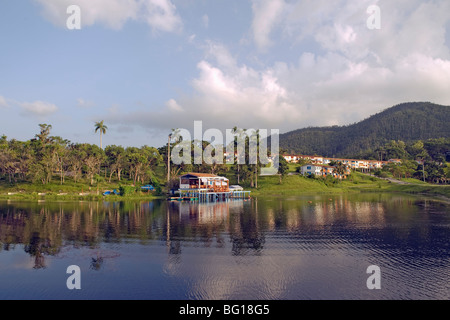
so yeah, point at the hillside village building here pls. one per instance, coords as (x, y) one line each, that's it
(322, 170)
(320, 166)
(364, 165)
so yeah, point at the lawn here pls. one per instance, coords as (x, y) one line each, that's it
(428, 189)
(297, 184)
(68, 190)
(293, 184)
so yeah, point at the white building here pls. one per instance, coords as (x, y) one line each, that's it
(311, 169)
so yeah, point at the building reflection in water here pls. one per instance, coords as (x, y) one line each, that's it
(266, 248)
(240, 226)
(200, 223)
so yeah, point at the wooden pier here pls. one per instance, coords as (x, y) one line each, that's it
(206, 188)
(204, 195)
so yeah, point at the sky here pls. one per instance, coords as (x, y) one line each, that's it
(146, 67)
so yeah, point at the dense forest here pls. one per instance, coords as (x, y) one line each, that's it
(407, 122)
(46, 158)
(425, 160)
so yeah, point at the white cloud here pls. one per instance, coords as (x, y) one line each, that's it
(226, 95)
(174, 106)
(354, 71)
(161, 15)
(266, 14)
(38, 108)
(3, 103)
(82, 103)
(191, 38)
(219, 53)
(344, 71)
(205, 21)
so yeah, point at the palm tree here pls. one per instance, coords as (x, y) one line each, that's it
(100, 126)
(340, 168)
(238, 132)
(174, 134)
(44, 135)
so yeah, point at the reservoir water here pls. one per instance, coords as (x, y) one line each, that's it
(270, 248)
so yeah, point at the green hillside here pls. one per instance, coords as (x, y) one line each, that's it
(406, 122)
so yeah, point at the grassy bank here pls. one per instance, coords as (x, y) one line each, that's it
(69, 191)
(356, 183)
(297, 184)
(423, 189)
(267, 185)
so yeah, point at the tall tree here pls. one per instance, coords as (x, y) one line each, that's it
(116, 160)
(76, 158)
(238, 134)
(42, 168)
(44, 134)
(175, 134)
(141, 162)
(283, 168)
(100, 126)
(60, 156)
(94, 158)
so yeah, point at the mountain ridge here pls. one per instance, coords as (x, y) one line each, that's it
(409, 121)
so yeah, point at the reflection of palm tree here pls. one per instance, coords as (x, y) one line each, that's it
(34, 248)
(39, 261)
(245, 234)
(96, 263)
(174, 246)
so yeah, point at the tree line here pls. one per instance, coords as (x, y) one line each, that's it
(425, 160)
(244, 172)
(45, 157)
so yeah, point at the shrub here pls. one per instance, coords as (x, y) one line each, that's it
(127, 190)
(98, 178)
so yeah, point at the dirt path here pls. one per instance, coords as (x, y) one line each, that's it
(405, 182)
(389, 179)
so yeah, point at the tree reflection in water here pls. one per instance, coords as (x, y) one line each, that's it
(245, 235)
(96, 263)
(36, 248)
(239, 226)
(267, 243)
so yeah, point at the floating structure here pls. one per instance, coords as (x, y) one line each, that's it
(109, 192)
(205, 187)
(148, 187)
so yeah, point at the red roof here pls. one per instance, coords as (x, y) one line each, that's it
(200, 175)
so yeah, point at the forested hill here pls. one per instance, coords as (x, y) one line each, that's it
(407, 122)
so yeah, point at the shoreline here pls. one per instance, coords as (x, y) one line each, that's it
(419, 190)
(77, 197)
(292, 185)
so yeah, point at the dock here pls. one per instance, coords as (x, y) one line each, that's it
(205, 195)
(206, 188)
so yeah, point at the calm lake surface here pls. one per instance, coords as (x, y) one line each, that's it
(308, 247)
